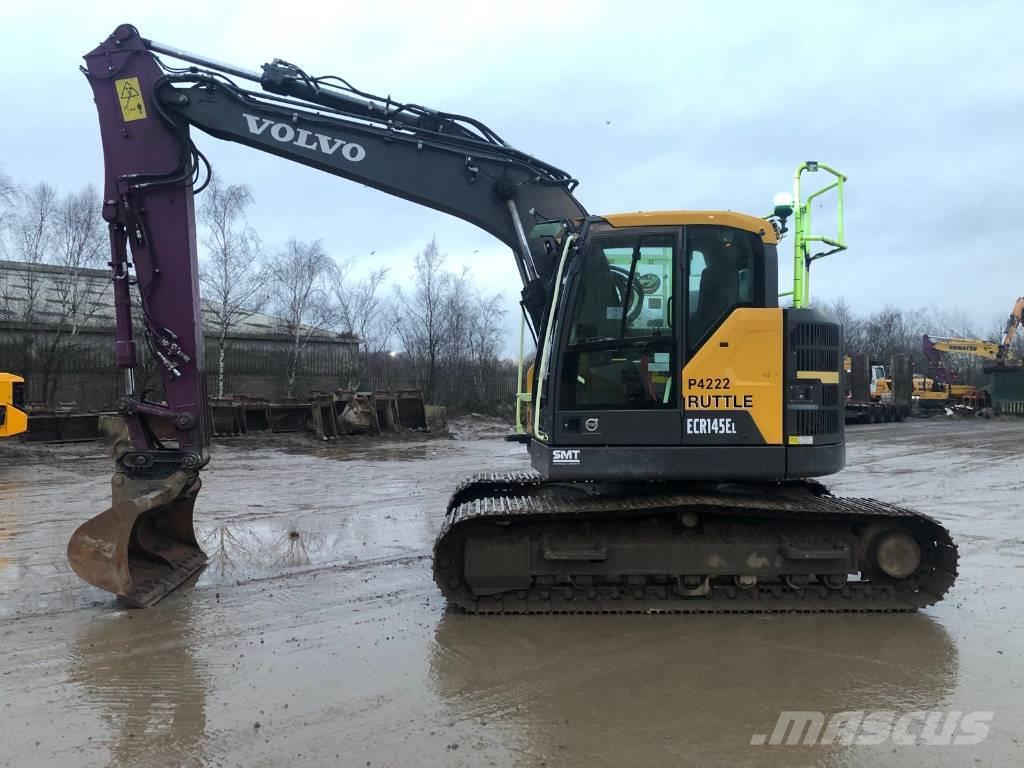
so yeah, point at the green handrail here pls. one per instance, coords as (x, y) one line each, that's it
(803, 238)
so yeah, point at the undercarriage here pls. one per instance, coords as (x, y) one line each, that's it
(515, 543)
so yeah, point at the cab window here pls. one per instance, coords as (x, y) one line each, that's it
(620, 347)
(724, 266)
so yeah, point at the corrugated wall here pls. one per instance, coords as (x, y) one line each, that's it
(1008, 392)
(87, 375)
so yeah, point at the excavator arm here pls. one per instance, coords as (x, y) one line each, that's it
(986, 350)
(1010, 331)
(144, 546)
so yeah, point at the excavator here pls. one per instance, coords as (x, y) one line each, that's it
(678, 413)
(942, 386)
(13, 419)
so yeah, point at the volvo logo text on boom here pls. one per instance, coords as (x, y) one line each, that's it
(300, 137)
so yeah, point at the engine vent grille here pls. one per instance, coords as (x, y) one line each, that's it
(815, 345)
(817, 359)
(817, 422)
(816, 335)
(830, 395)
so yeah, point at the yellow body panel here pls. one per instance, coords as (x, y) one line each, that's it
(674, 218)
(740, 369)
(12, 421)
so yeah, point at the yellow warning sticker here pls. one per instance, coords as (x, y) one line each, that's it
(130, 96)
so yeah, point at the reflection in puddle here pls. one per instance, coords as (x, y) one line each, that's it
(697, 688)
(8, 523)
(369, 450)
(139, 673)
(245, 550)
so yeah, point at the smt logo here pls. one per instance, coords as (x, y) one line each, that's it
(300, 137)
(565, 456)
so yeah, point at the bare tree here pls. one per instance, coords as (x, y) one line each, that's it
(853, 326)
(484, 339)
(460, 316)
(75, 298)
(29, 230)
(300, 281)
(78, 245)
(425, 326)
(52, 305)
(231, 272)
(8, 192)
(30, 234)
(366, 314)
(451, 332)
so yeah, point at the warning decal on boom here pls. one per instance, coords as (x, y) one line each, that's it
(130, 96)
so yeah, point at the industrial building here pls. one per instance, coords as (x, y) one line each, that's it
(56, 330)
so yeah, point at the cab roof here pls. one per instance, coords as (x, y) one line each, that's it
(670, 218)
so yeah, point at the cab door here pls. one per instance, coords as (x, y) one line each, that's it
(617, 379)
(732, 374)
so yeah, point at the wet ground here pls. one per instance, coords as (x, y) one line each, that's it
(316, 636)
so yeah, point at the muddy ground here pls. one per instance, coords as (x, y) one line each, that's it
(316, 636)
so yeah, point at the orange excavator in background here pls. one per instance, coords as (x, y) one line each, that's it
(1013, 323)
(678, 412)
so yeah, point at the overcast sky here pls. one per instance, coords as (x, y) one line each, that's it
(651, 105)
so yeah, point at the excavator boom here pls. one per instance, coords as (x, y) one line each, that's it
(1014, 322)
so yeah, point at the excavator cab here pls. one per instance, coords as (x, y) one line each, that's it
(668, 339)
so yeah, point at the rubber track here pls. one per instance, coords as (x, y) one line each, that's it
(512, 497)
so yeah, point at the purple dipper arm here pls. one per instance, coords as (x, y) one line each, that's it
(148, 203)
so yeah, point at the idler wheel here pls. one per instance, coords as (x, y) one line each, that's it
(897, 554)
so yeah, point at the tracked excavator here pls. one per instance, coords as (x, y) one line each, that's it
(679, 414)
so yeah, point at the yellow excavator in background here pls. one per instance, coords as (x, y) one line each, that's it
(941, 387)
(13, 419)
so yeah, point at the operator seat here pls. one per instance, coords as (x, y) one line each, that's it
(718, 292)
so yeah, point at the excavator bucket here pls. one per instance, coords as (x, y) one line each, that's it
(142, 547)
